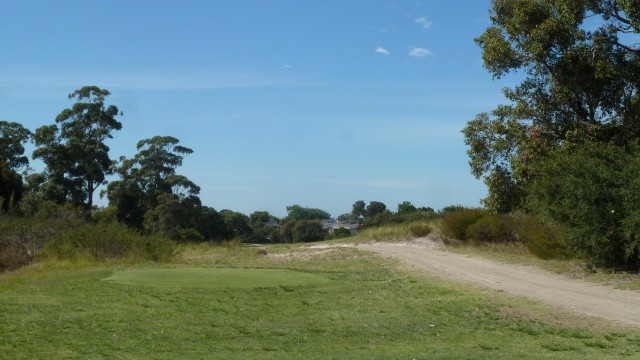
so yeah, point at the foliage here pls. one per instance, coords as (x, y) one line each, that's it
(456, 223)
(374, 208)
(237, 225)
(450, 208)
(582, 83)
(75, 153)
(107, 241)
(286, 231)
(261, 232)
(308, 231)
(11, 187)
(592, 190)
(297, 212)
(150, 174)
(339, 233)
(493, 228)
(358, 209)
(406, 208)
(546, 241)
(12, 137)
(420, 229)
(381, 218)
(22, 238)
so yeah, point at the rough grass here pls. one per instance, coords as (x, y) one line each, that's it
(370, 309)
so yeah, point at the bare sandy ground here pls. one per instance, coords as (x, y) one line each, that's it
(579, 296)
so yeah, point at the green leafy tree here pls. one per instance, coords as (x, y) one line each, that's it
(13, 136)
(12, 160)
(374, 208)
(308, 231)
(297, 212)
(593, 191)
(74, 149)
(237, 225)
(148, 175)
(405, 208)
(358, 209)
(257, 222)
(11, 187)
(582, 83)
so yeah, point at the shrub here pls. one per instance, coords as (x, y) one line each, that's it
(339, 233)
(420, 229)
(455, 223)
(22, 239)
(308, 231)
(544, 240)
(493, 228)
(593, 192)
(108, 241)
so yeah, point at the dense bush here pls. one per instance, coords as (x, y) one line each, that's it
(455, 223)
(339, 233)
(307, 231)
(106, 241)
(594, 192)
(420, 229)
(493, 228)
(22, 238)
(546, 241)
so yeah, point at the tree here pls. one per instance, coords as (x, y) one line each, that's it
(12, 160)
(593, 191)
(11, 187)
(12, 138)
(297, 212)
(374, 208)
(358, 209)
(308, 231)
(237, 224)
(257, 222)
(75, 153)
(582, 84)
(148, 175)
(406, 208)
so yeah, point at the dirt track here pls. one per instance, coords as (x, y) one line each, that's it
(578, 296)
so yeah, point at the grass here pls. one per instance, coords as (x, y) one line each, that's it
(355, 306)
(215, 278)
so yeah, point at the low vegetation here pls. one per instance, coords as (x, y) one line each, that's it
(339, 303)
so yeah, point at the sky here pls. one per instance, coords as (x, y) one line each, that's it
(316, 103)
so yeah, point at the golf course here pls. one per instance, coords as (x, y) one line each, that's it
(232, 302)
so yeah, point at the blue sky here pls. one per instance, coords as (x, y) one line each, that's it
(317, 103)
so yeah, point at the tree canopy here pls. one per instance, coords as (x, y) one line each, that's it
(581, 61)
(74, 148)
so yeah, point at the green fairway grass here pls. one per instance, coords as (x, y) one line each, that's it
(325, 304)
(211, 278)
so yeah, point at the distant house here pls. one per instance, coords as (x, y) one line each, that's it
(271, 224)
(331, 226)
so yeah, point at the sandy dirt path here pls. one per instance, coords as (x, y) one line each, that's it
(579, 296)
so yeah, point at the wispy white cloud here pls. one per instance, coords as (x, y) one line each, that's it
(383, 51)
(424, 22)
(286, 66)
(420, 52)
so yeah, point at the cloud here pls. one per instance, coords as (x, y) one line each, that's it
(424, 22)
(383, 51)
(420, 52)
